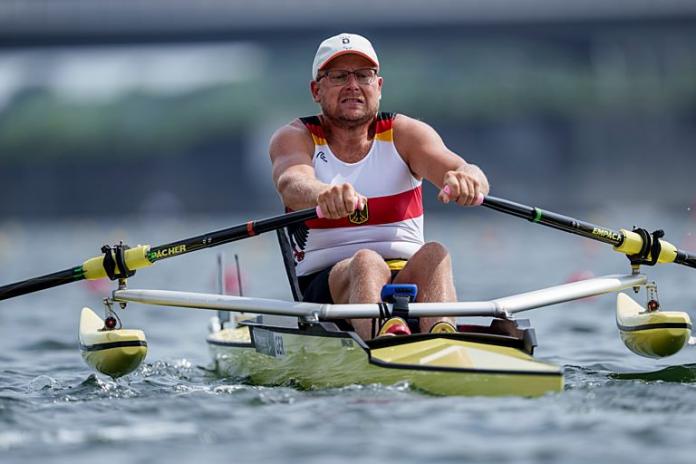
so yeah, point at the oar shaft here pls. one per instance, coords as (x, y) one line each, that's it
(143, 255)
(624, 241)
(687, 259)
(555, 220)
(228, 235)
(41, 283)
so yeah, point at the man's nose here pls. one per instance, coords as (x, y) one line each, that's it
(352, 80)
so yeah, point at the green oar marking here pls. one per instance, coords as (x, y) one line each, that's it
(537, 215)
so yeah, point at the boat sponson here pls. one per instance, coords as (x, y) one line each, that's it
(115, 352)
(652, 334)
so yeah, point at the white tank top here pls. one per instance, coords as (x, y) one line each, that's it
(393, 223)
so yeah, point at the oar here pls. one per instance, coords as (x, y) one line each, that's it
(641, 247)
(120, 261)
(651, 333)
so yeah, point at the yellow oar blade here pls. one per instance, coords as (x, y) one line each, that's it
(653, 334)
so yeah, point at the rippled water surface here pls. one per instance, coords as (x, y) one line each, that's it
(616, 407)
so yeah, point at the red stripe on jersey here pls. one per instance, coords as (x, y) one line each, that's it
(383, 125)
(315, 129)
(381, 210)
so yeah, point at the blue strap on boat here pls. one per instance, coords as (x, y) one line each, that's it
(390, 291)
(400, 295)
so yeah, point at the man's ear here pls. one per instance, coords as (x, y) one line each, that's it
(314, 89)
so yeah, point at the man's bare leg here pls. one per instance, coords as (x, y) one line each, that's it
(359, 279)
(430, 268)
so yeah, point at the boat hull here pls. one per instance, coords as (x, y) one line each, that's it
(322, 356)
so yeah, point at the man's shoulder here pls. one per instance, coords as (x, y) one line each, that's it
(293, 136)
(295, 128)
(410, 128)
(404, 120)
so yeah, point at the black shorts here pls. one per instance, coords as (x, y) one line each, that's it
(315, 286)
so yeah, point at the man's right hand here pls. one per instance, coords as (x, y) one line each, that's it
(339, 201)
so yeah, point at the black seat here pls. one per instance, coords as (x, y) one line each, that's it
(289, 263)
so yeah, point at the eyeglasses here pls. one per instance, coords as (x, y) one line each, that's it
(364, 76)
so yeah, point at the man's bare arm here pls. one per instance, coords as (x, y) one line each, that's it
(293, 174)
(291, 151)
(428, 157)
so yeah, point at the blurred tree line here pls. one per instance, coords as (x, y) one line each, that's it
(458, 79)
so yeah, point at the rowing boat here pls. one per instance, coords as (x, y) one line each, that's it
(300, 344)
(492, 360)
(307, 345)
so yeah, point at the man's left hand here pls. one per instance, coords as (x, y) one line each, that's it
(467, 185)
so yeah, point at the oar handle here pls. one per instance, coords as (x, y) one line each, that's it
(477, 202)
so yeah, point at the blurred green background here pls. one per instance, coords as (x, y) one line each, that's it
(167, 107)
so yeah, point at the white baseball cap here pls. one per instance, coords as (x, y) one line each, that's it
(342, 44)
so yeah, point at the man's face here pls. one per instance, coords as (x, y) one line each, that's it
(350, 104)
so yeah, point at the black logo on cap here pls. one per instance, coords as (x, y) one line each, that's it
(345, 40)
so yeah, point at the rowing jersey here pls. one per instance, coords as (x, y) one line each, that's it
(392, 223)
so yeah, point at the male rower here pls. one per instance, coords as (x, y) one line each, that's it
(364, 170)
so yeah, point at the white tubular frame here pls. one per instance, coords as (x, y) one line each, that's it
(500, 307)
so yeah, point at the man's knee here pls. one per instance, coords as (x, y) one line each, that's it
(368, 261)
(435, 251)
